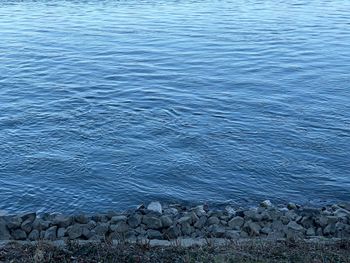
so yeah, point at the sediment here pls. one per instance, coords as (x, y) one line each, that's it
(164, 224)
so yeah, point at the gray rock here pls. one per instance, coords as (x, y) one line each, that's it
(135, 220)
(342, 213)
(201, 222)
(120, 227)
(85, 232)
(217, 231)
(311, 231)
(323, 221)
(166, 221)
(14, 222)
(152, 222)
(243, 234)
(117, 219)
(74, 231)
(213, 220)
(51, 233)
(184, 219)
(186, 229)
(173, 232)
(295, 226)
(329, 229)
(171, 211)
(253, 215)
(154, 234)
(230, 211)
(236, 223)
(4, 232)
(40, 224)
(342, 230)
(199, 211)
(266, 230)
(81, 219)
(28, 216)
(19, 234)
(291, 215)
(91, 225)
(27, 225)
(291, 206)
(252, 228)
(101, 229)
(34, 235)
(266, 204)
(307, 222)
(61, 232)
(155, 207)
(62, 220)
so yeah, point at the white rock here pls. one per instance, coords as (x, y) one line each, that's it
(155, 206)
(266, 203)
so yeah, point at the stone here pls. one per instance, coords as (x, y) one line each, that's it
(155, 207)
(154, 234)
(152, 222)
(199, 211)
(61, 232)
(236, 222)
(252, 228)
(291, 215)
(342, 230)
(4, 232)
(120, 227)
(291, 206)
(28, 216)
(253, 215)
(14, 222)
(101, 229)
(266, 230)
(62, 220)
(266, 204)
(51, 233)
(217, 231)
(295, 226)
(173, 232)
(74, 231)
(19, 234)
(232, 234)
(186, 229)
(311, 231)
(81, 219)
(342, 213)
(166, 221)
(34, 235)
(326, 220)
(27, 225)
(120, 218)
(85, 232)
(213, 220)
(230, 211)
(329, 229)
(201, 222)
(171, 211)
(135, 220)
(91, 225)
(307, 222)
(40, 224)
(184, 219)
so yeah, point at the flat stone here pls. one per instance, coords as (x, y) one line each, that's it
(295, 226)
(173, 232)
(27, 225)
(51, 233)
(34, 235)
(120, 227)
(232, 234)
(41, 224)
(81, 219)
(120, 218)
(101, 229)
(155, 207)
(236, 222)
(159, 243)
(342, 213)
(184, 219)
(253, 228)
(62, 220)
(154, 234)
(186, 229)
(19, 234)
(135, 220)
(152, 222)
(74, 231)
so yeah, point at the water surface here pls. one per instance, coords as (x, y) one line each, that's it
(107, 104)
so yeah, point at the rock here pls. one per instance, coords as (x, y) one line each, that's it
(307, 222)
(230, 211)
(171, 211)
(243, 234)
(14, 222)
(295, 226)
(101, 229)
(85, 232)
(186, 229)
(266, 230)
(40, 224)
(62, 221)
(311, 231)
(232, 234)
(166, 221)
(120, 227)
(173, 232)
(217, 231)
(213, 220)
(154, 234)
(61, 232)
(74, 231)
(253, 215)
(135, 220)
(266, 204)
(152, 222)
(291, 215)
(201, 222)
(81, 219)
(155, 207)
(34, 235)
(28, 216)
(120, 218)
(4, 232)
(326, 220)
(342, 213)
(291, 206)
(252, 228)
(19, 234)
(329, 229)
(91, 225)
(236, 223)
(27, 225)
(184, 219)
(51, 233)
(199, 211)
(342, 230)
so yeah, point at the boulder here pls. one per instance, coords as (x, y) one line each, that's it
(166, 221)
(120, 227)
(62, 220)
(252, 228)
(119, 218)
(14, 222)
(74, 231)
(236, 222)
(28, 216)
(186, 229)
(40, 224)
(101, 229)
(61, 232)
(19, 234)
(154, 234)
(134, 220)
(152, 222)
(51, 233)
(34, 235)
(81, 219)
(266, 204)
(4, 232)
(173, 232)
(27, 225)
(213, 220)
(155, 207)
(201, 222)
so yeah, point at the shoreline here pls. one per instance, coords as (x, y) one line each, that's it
(174, 222)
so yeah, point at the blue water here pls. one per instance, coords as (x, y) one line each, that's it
(108, 104)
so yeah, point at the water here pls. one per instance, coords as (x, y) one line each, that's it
(108, 104)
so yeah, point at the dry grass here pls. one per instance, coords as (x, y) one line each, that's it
(254, 251)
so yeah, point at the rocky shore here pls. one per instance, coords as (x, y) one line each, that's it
(171, 222)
